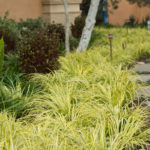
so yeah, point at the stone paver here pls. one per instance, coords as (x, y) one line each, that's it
(140, 63)
(143, 92)
(145, 78)
(147, 103)
(142, 68)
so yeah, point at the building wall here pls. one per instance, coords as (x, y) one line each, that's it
(53, 10)
(124, 11)
(50, 10)
(21, 8)
(145, 11)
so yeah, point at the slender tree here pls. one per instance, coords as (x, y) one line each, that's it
(89, 25)
(67, 29)
(90, 21)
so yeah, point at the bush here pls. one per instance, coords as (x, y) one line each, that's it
(57, 28)
(31, 24)
(144, 21)
(78, 26)
(39, 52)
(73, 43)
(132, 21)
(135, 23)
(10, 33)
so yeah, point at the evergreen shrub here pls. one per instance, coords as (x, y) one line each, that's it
(78, 26)
(31, 24)
(39, 52)
(10, 33)
(57, 28)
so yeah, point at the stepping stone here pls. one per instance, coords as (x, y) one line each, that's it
(143, 92)
(147, 103)
(145, 78)
(141, 63)
(142, 68)
(147, 60)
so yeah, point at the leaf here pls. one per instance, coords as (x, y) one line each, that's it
(1, 54)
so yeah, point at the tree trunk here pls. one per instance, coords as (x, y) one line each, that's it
(89, 25)
(67, 46)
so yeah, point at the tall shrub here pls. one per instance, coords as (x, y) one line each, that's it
(10, 33)
(31, 24)
(78, 26)
(39, 52)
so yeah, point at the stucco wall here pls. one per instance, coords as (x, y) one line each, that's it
(53, 10)
(145, 11)
(21, 8)
(124, 11)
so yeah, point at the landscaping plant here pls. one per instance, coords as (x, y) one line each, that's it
(89, 103)
(39, 52)
(1, 54)
(31, 24)
(10, 33)
(78, 26)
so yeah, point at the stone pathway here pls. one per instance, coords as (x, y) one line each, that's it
(142, 68)
(143, 93)
(144, 76)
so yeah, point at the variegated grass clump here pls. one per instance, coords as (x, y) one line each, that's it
(88, 100)
(87, 104)
(136, 41)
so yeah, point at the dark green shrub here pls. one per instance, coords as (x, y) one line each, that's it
(10, 33)
(144, 21)
(31, 24)
(60, 31)
(132, 21)
(73, 43)
(135, 23)
(57, 28)
(78, 26)
(39, 52)
(11, 64)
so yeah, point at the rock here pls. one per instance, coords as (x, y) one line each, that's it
(142, 68)
(141, 63)
(147, 103)
(143, 92)
(145, 78)
(147, 60)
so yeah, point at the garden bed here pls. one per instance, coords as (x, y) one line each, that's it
(84, 104)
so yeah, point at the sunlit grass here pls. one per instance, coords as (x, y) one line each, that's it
(87, 104)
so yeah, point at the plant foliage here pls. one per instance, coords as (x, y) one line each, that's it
(10, 33)
(89, 103)
(30, 24)
(78, 26)
(1, 54)
(58, 29)
(39, 52)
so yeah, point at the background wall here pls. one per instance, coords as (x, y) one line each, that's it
(21, 8)
(53, 10)
(124, 11)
